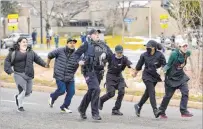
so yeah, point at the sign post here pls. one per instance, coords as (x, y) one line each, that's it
(164, 21)
(129, 21)
(12, 22)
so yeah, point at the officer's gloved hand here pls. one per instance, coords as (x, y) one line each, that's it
(81, 62)
(103, 56)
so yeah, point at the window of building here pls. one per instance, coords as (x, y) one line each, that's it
(80, 23)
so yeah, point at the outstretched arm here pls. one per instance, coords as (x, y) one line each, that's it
(171, 60)
(81, 50)
(39, 60)
(51, 55)
(139, 65)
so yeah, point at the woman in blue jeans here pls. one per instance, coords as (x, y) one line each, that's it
(64, 80)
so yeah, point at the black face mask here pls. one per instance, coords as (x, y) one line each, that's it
(69, 50)
(149, 50)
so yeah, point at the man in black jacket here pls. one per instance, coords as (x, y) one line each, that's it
(64, 80)
(95, 52)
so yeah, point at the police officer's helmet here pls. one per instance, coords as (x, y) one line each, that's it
(119, 48)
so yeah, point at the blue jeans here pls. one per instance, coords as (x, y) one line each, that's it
(56, 44)
(62, 87)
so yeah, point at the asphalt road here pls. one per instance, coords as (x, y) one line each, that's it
(38, 115)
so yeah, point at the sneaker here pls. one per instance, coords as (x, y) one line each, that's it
(66, 110)
(157, 113)
(163, 116)
(96, 117)
(21, 109)
(16, 98)
(82, 114)
(51, 102)
(186, 114)
(137, 110)
(117, 112)
(100, 105)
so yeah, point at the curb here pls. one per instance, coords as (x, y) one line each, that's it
(129, 98)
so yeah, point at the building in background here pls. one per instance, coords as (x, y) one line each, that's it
(99, 16)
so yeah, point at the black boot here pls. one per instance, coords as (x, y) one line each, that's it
(82, 114)
(186, 114)
(117, 112)
(100, 104)
(96, 117)
(137, 109)
(157, 113)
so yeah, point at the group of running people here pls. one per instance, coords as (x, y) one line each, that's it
(92, 56)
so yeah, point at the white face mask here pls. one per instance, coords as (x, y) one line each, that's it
(118, 57)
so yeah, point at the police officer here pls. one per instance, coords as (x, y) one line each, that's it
(95, 52)
(115, 80)
(152, 59)
(177, 79)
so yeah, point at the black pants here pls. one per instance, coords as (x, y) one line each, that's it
(169, 91)
(92, 94)
(112, 84)
(149, 93)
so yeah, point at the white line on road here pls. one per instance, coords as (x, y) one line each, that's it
(10, 101)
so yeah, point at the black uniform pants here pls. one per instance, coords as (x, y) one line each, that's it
(169, 91)
(92, 94)
(113, 84)
(149, 93)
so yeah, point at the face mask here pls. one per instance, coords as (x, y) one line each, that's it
(118, 57)
(149, 50)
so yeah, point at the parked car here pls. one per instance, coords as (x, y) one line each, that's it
(12, 38)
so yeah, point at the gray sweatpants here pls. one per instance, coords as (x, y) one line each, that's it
(24, 85)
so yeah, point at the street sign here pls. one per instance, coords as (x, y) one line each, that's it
(164, 21)
(164, 26)
(12, 22)
(163, 16)
(129, 20)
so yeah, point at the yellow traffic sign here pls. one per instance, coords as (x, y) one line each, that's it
(13, 27)
(12, 22)
(163, 16)
(12, 16)
(164, 26)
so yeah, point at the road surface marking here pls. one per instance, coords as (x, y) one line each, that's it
(11, 101)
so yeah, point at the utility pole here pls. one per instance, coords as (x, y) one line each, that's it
(150, 21)
(41, 24)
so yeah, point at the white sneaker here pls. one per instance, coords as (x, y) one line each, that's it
(51, 103)
(66, 110)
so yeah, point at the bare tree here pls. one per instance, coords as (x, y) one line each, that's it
(113, 15)
(67, 9)
(47, 10)
(61, 10)
(124, 13)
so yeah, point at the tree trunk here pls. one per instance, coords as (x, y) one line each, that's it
(4, 28)
(123, 30)
(113, 33)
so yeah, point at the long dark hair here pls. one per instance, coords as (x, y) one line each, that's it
(16, 45)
